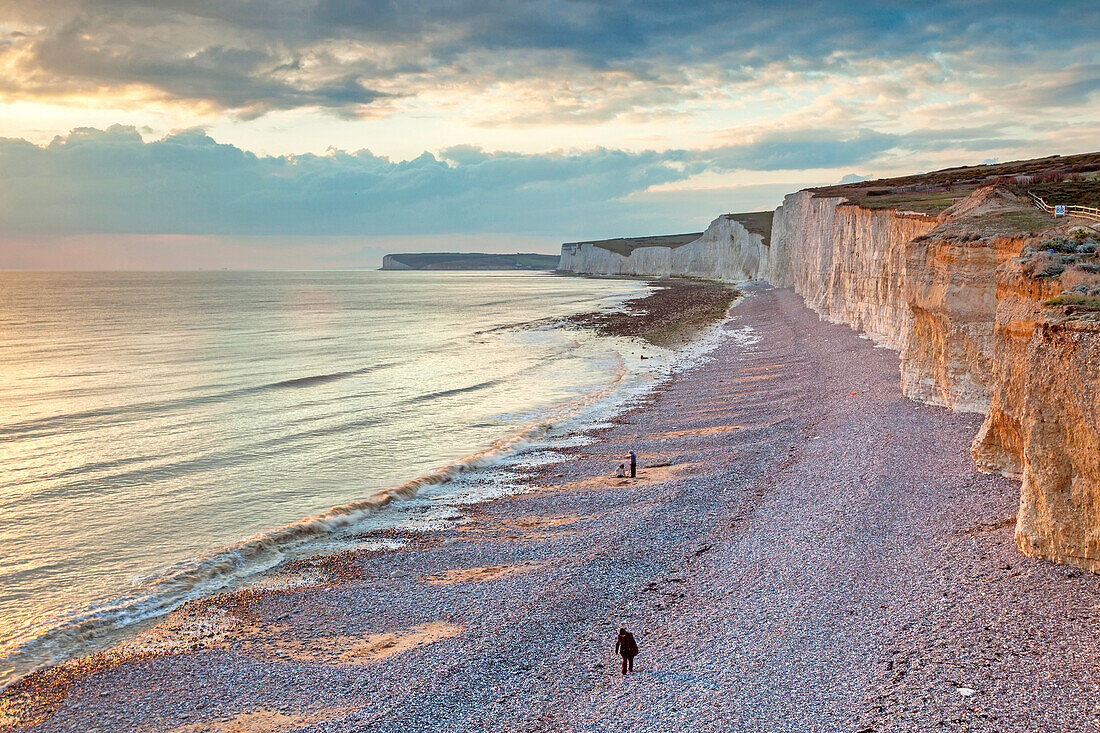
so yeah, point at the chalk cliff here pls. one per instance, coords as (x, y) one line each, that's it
(1044, 418)
(955, 297)
(961, 297)
(968, 314)
(849, 263)
(725, 251)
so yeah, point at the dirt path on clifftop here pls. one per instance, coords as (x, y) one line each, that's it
(804, 550)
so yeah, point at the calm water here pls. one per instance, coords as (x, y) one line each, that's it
(151, 422)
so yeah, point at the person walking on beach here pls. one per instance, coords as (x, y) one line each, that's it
(633, 465)
(628, 648)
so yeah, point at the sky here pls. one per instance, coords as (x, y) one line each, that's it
(141, 134)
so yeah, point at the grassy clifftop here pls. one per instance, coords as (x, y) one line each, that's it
(1071, 179)
(757, 222)
(625, 245)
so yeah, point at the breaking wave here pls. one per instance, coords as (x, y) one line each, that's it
(48, 640)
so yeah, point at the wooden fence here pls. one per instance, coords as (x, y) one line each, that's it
(1085, 212)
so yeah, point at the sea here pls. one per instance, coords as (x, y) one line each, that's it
(165, 436)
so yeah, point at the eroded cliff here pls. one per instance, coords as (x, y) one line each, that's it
(1044, 419)
(920, 284)
(976, 305)
(727, 250)
(849, 263)
(965, 295)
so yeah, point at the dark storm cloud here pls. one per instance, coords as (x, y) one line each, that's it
(111, 181)
(254, 55)
(607, 31)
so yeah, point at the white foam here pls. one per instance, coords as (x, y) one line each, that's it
(287, 582)
(533, 459)
(79, 630)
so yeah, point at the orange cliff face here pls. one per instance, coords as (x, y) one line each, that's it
(919, 284)
(947, 356)
(952, 295)
(967, 313)
(962, 296)
(1044, 420)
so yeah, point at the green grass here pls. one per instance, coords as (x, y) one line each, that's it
(757, 222)
(930, 202)
(1080, 301)
(623, 246)
(970, 176)
(1070, 193)
(1019, 221)
(942, 188)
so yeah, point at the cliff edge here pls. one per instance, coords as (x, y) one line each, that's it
(993, 304)
(975, 299)
(730, 249)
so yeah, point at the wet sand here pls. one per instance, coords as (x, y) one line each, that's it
(808, 551)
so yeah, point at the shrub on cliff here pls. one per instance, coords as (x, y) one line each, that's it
(1075, 301)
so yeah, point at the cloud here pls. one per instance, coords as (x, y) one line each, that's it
(198, 64)
(805, 149)
(808, 87)
(112, 181)
(601, 58)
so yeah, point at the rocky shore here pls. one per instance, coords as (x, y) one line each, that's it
(804, 549)
(671, 315)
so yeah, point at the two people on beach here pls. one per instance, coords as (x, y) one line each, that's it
(627, 648)
(633, 467)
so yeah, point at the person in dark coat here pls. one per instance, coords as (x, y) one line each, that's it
(633, 465)
(628, 648)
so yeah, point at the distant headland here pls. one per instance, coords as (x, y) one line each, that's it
(469, 261)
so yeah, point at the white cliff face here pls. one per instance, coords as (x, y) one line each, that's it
(931, 298)
(974, 333)
(590, 259)
(389, 262)
(848, 263)
(929, 294)
(725, 251)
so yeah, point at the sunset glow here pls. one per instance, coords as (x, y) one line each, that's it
(734, 100)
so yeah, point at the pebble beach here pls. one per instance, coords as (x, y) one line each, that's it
(803, 549)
